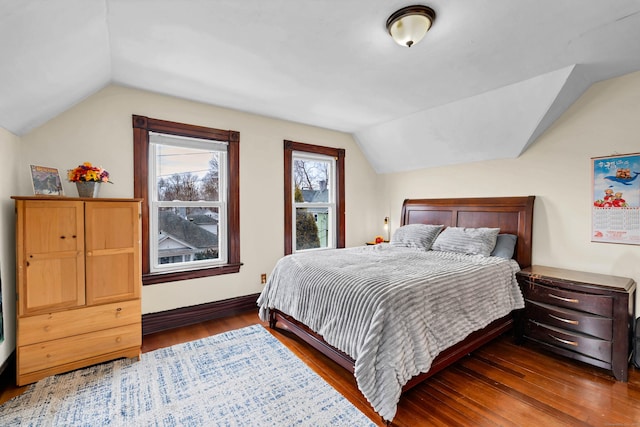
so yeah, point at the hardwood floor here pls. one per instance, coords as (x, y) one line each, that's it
(501, 384)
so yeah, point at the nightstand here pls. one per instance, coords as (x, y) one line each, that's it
(585, 316)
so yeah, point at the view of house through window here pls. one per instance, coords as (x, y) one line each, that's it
(314, 200)
(187, 178)
(313, 197)
(187, 202)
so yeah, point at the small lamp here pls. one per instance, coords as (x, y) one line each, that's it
(409, 25)
(387, 229)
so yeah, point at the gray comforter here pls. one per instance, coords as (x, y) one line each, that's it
(393, 310)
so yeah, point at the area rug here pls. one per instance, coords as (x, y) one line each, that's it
(244, 377)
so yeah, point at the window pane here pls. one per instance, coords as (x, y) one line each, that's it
(311, 181)
(312, 228)
(187, 174)
(187, 234)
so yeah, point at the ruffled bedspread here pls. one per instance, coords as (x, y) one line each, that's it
(393, 310)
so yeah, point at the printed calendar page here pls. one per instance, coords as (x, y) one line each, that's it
(616, 199)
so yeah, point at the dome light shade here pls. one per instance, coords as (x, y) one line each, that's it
(409, 25)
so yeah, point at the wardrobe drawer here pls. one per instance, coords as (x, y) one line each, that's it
(574, 341)
(51, 326)
(590, 324)
(44, 355)
(591, 303)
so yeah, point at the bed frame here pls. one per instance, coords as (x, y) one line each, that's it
(513, 215)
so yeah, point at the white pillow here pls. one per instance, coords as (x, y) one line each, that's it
(471, 241)
(416, 236)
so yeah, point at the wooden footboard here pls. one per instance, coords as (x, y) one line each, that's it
(449, 356)
(277, 318)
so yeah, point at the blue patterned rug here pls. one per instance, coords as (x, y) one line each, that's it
(244, 377)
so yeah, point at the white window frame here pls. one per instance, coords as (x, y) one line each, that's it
(156, 139)
(330, 205)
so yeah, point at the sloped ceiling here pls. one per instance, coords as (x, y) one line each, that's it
(485, 82)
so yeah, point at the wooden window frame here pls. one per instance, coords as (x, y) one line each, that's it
(141, 127)
(338, 154)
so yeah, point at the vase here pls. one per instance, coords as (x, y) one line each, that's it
(88, 188)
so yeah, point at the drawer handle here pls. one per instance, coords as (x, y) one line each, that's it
(572, 300)
(573, 343)
(572, 322)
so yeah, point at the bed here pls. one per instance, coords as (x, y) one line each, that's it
(361, 347)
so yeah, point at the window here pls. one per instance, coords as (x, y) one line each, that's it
(187, 177)
(314, 197)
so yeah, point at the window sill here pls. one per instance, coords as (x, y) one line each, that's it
(154, 278)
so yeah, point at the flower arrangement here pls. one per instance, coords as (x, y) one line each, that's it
(87, 172)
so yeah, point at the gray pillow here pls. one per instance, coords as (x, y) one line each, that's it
(472, 241)
(416, 236)
(505, 245)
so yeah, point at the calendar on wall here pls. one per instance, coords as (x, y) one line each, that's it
(616, 199)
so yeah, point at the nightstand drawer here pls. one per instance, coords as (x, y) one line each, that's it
(591, 303)
(590, 324)
(574, 341)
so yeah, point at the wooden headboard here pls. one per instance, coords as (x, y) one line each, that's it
(513, 215)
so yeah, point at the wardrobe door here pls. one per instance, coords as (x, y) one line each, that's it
(50, 252)
(112, 245)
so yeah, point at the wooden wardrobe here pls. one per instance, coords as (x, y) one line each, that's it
(78, 283)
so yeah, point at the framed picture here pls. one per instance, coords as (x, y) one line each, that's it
(46, 181)
(616, 199)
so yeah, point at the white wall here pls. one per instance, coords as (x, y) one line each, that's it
(557, 170)
(9, 156)
(99, 130)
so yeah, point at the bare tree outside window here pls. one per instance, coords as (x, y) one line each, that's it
(310, 175)
(187, 177)
(313, 197)
(194, 227)
(179, 186)
(187, 223)
(211, 181)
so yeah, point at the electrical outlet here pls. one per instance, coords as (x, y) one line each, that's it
(263, 278)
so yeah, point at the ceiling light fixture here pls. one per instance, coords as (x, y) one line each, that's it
(408, 25)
